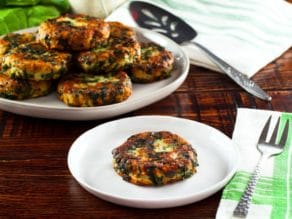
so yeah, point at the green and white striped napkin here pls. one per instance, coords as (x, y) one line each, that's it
(247, 34)
(273, 194)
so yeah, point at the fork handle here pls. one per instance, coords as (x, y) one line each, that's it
(242, 207)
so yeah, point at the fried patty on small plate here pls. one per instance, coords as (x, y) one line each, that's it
(155, 159)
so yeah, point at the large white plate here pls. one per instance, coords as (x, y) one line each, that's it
(90, 162)
(143, 94)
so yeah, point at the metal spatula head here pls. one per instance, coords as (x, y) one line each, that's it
(152, 17)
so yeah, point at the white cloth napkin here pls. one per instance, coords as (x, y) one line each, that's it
(273, 193)
(246, 34)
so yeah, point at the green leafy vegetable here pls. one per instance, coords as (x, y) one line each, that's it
(3, 27)
(20, 14)
(62, 5)
(21, 2)
(14, 19)
(40, 13)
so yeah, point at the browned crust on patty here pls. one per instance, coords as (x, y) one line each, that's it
(13, 40)
(119, 52)
(94, 90)
(155, 158)
(23, 89)
(33, 61)
(156, 63)
(73, 32)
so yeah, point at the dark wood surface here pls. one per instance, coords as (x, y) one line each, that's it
(35, 180)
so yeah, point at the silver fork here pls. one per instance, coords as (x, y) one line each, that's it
(267, 150)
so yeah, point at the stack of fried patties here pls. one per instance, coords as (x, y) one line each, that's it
(28, 68)
(102, 50)
(99, 53)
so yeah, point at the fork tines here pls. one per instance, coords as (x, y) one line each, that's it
(284, 136)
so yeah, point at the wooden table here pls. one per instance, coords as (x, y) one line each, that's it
(35, 180)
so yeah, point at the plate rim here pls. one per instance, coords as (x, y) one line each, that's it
(137, 103)
(152, 204)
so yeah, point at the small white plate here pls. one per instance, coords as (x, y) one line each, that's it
(90, 162)
(143, 94)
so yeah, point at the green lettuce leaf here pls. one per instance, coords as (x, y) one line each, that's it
(14, 19)
(3, 28)
(40, 13)
(62, 5)
(20, 14)
(21, 2)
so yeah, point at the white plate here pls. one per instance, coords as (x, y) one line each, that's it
(90, 162)
(143, 94)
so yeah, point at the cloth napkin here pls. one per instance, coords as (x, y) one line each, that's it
(273, 193)
(246, 34)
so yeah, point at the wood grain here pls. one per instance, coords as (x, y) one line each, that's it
(34, 177)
